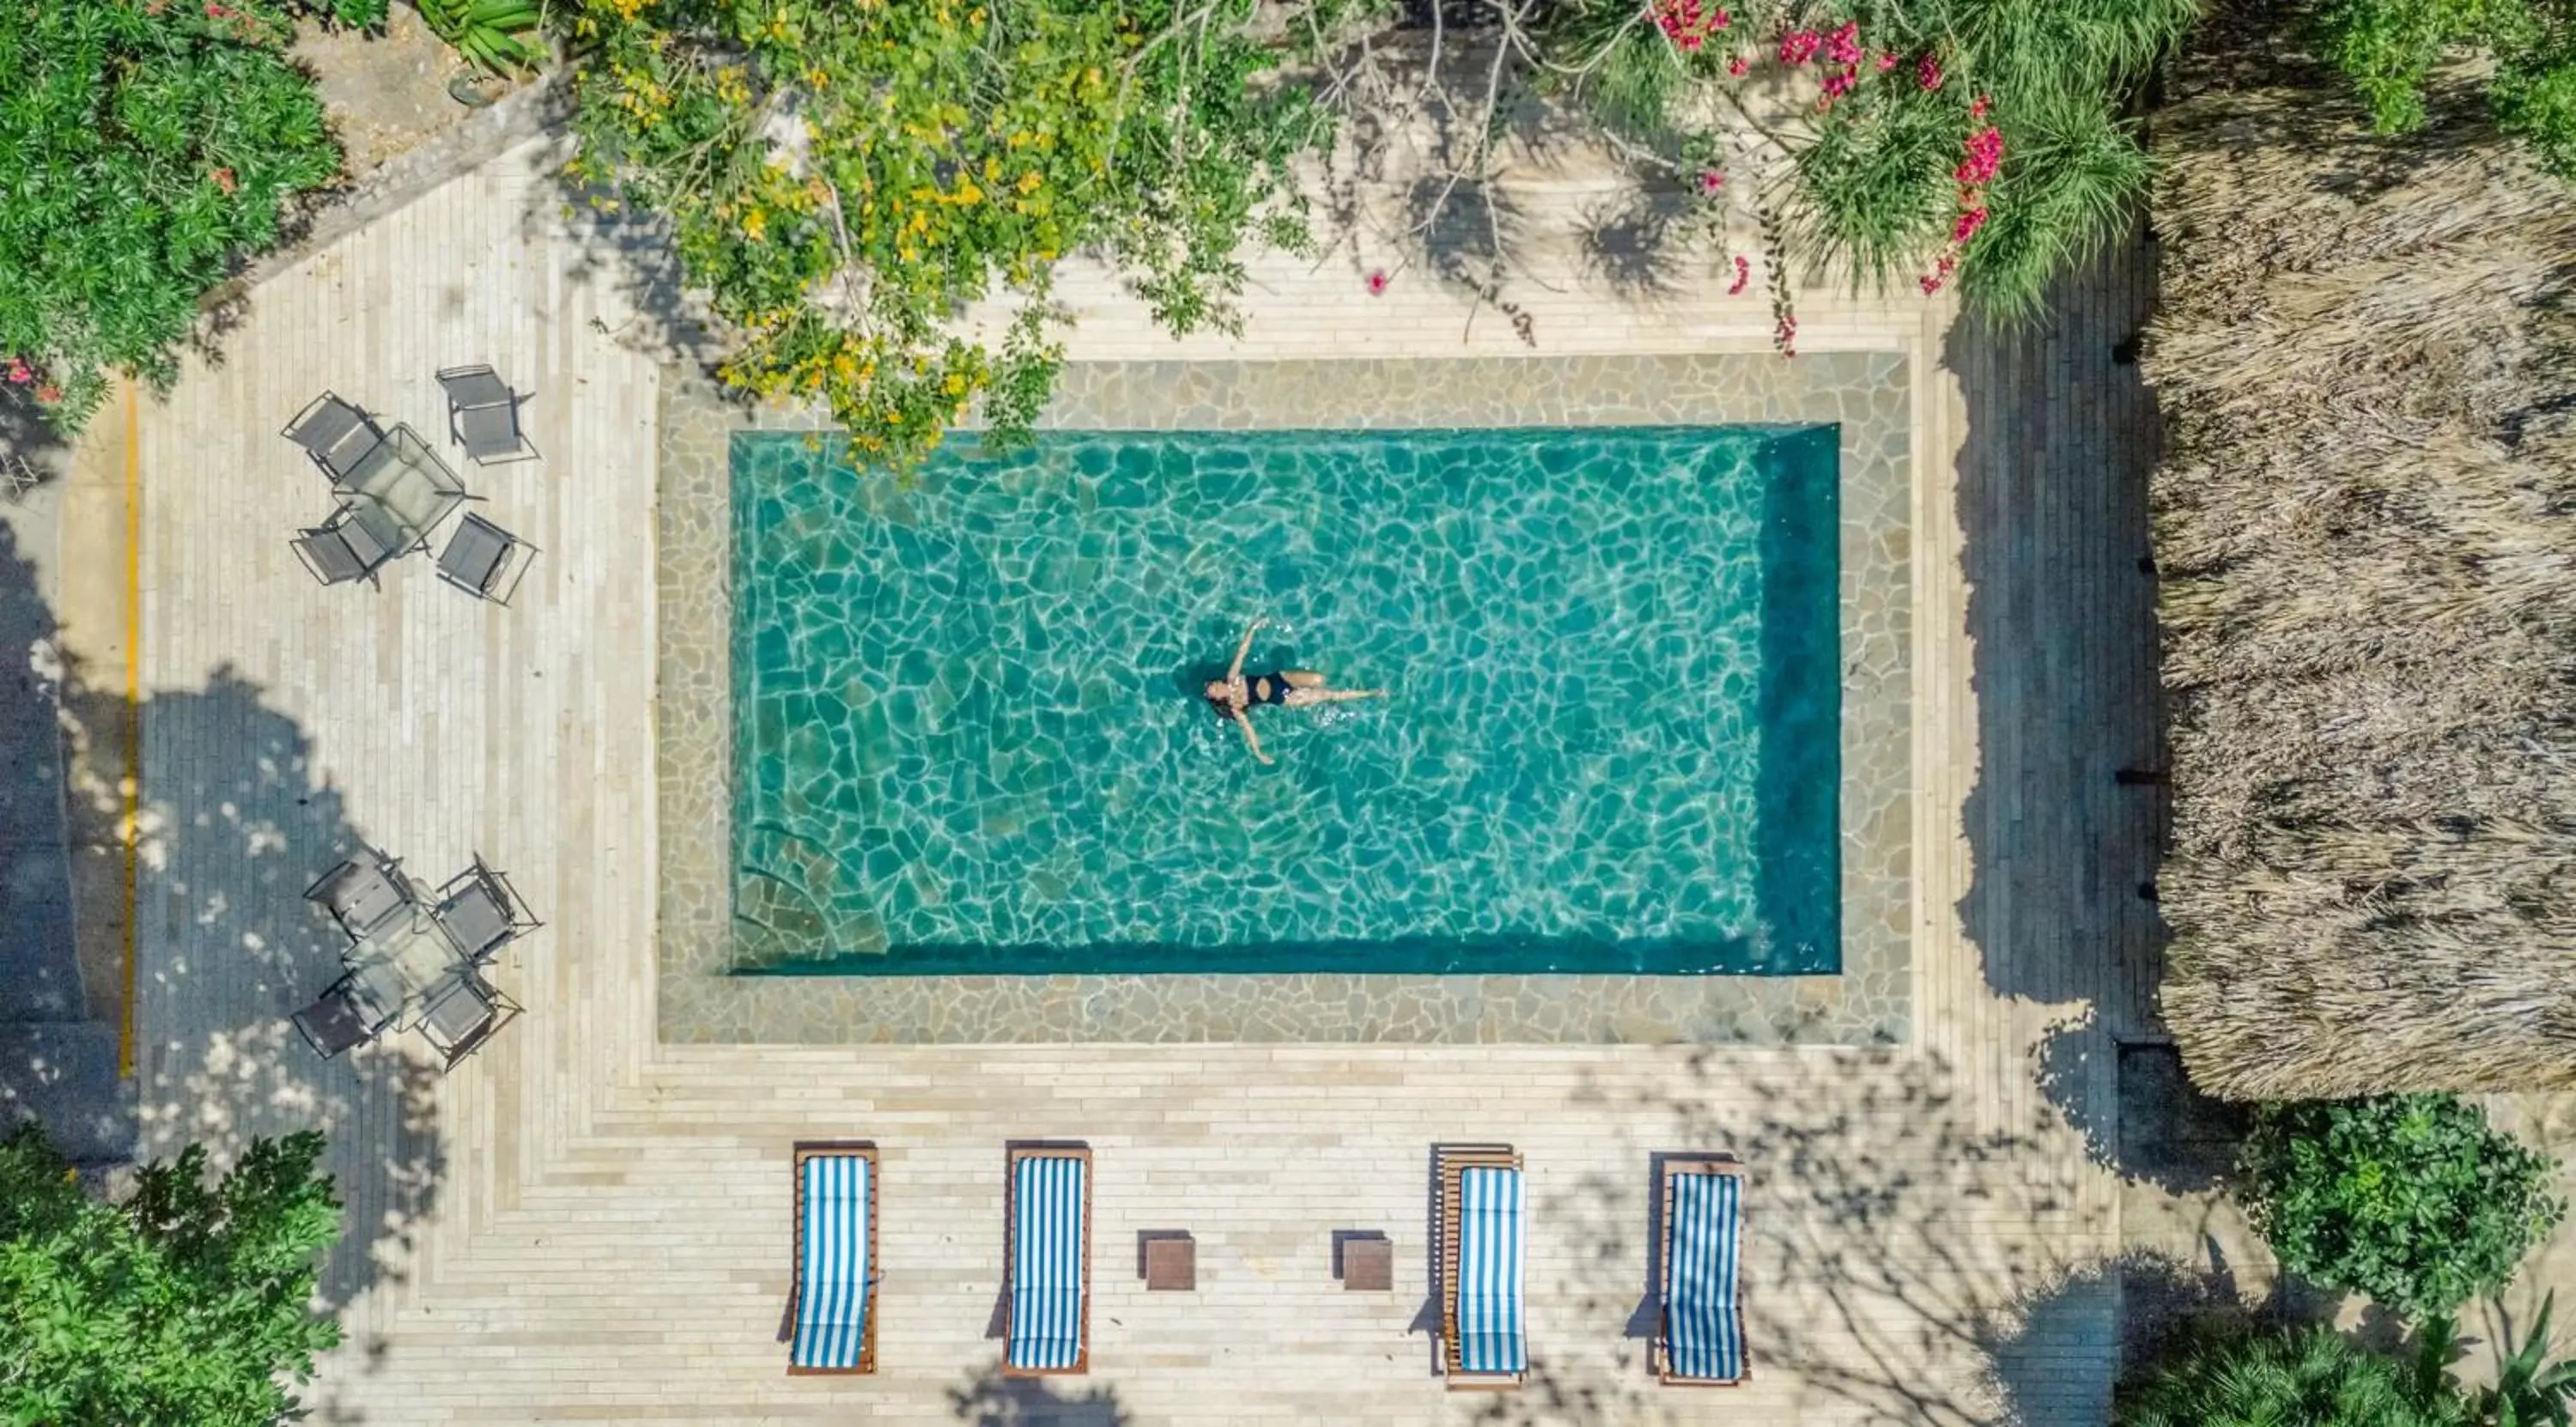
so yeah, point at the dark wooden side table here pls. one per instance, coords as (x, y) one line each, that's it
(1171, 1263)
(1368, 1265)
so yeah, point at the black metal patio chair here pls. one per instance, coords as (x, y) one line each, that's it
(336, 434)
(484, 560)
(482, 912)
(483, 415)
(341, 549)
(365, 893)
(343, 1018)
(464, 1013)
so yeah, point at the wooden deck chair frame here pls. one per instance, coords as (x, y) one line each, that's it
(1452, 1162)
(1011, 1252)
(1673, 1167)
(835, 1149)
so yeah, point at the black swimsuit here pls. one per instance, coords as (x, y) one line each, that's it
(1267, 688)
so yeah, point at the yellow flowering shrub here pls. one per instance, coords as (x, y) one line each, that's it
(939, 150)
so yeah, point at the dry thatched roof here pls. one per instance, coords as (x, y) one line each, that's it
(2366, 528)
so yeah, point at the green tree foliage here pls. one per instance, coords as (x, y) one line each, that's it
(2412, 1199)
(845, 175)
(182, 1304)
(144, 146)
(2388, 49)
(2310, 1378)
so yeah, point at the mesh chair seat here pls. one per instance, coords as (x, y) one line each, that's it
(334, 433)
(339, 1021)
(362, 894)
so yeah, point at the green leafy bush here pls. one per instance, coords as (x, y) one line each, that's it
(182, 1304)
(143, 148)
(844, 176)
(2388, 49)
(2309, 1378)
(2412, 1199)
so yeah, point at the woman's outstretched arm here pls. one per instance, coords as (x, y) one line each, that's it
(1243, 649)
(1251, 740)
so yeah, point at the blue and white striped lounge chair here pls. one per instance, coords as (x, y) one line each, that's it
(1699, 1335)
(1048, 1258)
(1481, 1212)
(836, 1259)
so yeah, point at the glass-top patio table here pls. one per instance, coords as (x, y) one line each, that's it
(399, 491)
(399, 965)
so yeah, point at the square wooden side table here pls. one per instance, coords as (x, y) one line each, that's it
(1171, 1263)
(1368, 1265)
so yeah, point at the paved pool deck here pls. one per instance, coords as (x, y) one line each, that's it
(590, 1220)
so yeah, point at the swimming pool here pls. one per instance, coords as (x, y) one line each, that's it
(967, 737)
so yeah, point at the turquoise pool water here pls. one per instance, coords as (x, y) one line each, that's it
(968, 739)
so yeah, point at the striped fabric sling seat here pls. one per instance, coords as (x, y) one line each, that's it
(836, 1251)
(1700, 1333)
(1049, 1261)
(1482, 1267)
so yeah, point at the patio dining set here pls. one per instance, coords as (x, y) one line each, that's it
(416, 956)
(395, 491)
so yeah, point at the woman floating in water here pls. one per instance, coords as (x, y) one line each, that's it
(1237, 694)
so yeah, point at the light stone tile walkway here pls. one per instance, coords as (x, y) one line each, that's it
(584, 1224)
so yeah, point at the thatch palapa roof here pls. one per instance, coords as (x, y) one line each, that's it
(2366, 532)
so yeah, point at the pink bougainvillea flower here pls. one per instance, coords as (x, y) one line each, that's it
(1985, 154)
(1721, 21)
(1927, 72)
(215, 11)
(1743, 275)
(49, 393)
(1737, 66)
(1978, 109)
(1968, 224)
(1840, 82)
(19, 375)
(1377, 284)
(1843, 45)
(1711, 181)
(1799, 46)
(1886, 61)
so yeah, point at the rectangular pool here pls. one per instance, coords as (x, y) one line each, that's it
(968, 738)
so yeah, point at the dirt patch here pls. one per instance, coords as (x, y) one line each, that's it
(387, 93)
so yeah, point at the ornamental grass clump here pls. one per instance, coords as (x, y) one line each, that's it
(2413, 1200)
(2309, 1377)
(1988, 145)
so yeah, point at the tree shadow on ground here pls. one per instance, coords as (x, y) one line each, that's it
(1417, 122)
(233, 828)
(632, 253)
(1895, 1249)
(26, 435)
(2065, 820)
(992, 1400)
